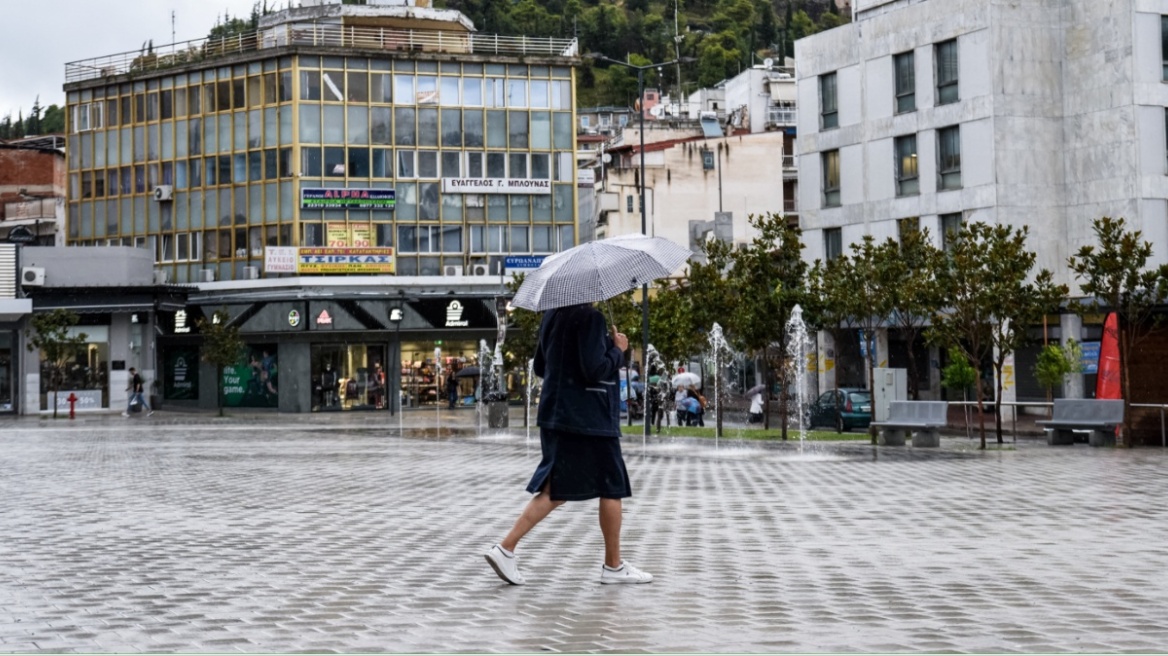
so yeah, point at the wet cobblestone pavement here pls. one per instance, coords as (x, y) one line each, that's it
(276, 534)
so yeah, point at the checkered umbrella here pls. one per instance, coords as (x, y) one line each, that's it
(598, 270)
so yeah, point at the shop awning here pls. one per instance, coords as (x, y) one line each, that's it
(13, 309)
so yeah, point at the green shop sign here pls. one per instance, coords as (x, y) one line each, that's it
(316, 198)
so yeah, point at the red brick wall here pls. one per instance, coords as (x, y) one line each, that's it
(38, 172)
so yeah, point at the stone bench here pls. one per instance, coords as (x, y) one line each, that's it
(921, 418)
(1099, 417)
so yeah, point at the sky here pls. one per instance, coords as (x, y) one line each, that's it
(42, 35)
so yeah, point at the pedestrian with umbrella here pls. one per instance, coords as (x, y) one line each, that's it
(755, 396)
(579, 358)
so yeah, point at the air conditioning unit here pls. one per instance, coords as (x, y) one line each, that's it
(480, 270)
(251, 273)
(164, 193)
(207, 275)
(161, 276)
(452, 270)
(32, 276)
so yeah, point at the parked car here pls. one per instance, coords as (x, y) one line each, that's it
(843, 408)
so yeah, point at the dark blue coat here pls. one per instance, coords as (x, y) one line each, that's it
(579, 365)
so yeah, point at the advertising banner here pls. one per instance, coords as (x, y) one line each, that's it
(180, 374)
(495, 186)
(346, 260)
(337, 235)
(86, 400)
(315, 198)
(252, 382)
(360, 235)
(1090, 357)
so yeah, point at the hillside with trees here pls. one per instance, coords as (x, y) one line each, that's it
(723, 37)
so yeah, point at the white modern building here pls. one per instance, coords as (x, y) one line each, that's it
(1028, 112)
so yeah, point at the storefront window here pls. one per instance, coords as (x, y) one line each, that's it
(348, 377)
(7, 367)
(180, 373)
(427, 369)
(85, 373)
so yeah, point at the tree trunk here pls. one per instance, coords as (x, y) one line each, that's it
(219, 388)
(980, 410)
(914, 385)
(766, 395)
(998, 414)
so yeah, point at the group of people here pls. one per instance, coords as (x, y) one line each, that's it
(690, 405)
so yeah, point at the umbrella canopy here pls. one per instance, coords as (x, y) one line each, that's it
(686, 378)
(468, 372)
(757, 389)
(598, 270)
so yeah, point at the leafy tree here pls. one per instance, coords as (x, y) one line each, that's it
(959, 374)
(765, 283)
(1056, 362)
(911, 282)
(50, 336)
(990, 304)
(1115, 278)
(53, 121)
(522, 336)
(222, 347)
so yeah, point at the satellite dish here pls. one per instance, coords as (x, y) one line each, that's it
(768, 62)
(606, 158)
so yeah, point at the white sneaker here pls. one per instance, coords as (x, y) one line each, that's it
(150, 414)
(125, 414)
(507, 567)
(626, 573)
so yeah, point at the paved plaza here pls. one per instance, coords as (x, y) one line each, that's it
(288, 533)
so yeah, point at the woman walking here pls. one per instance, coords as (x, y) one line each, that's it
(579, 420)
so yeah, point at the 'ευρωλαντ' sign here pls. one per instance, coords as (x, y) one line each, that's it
(346, 260)
(316, 198)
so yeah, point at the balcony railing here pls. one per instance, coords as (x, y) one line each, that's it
(781, 116)
(335, 36)
(40, 208)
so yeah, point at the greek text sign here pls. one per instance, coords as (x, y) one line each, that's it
(495, 186)
(315, 198)
(525, 262)
(280, 259)
(346, 260)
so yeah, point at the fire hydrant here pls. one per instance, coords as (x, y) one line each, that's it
(72, 405)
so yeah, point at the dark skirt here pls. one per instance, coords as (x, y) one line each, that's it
(580, 467)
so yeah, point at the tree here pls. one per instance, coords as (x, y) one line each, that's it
(767, 280)
(959, 375)
(914, 296)
(990, 303)
(1115, 278)
(53, 122)
(1055, 363)
(522, 337)
(51, 336)
(222, 347)
(856, 287)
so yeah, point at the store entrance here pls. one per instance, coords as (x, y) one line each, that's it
(348, 377)
(434, 372)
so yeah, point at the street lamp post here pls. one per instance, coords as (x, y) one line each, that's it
(644, 223)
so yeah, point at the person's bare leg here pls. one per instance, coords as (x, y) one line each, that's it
(610, 526)
(538, 508)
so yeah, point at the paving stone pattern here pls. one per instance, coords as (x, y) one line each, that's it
(284, 535)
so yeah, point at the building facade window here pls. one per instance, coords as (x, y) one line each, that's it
(904, 68)
(949, 157)
(907, 226)
(907, 177)
(946, 56)
(831, 178)
(950, 226)
(828, 102)
(1164, 46)
(833, 243)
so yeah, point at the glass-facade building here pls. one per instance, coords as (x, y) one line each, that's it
(375, 163)
(205, 163)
